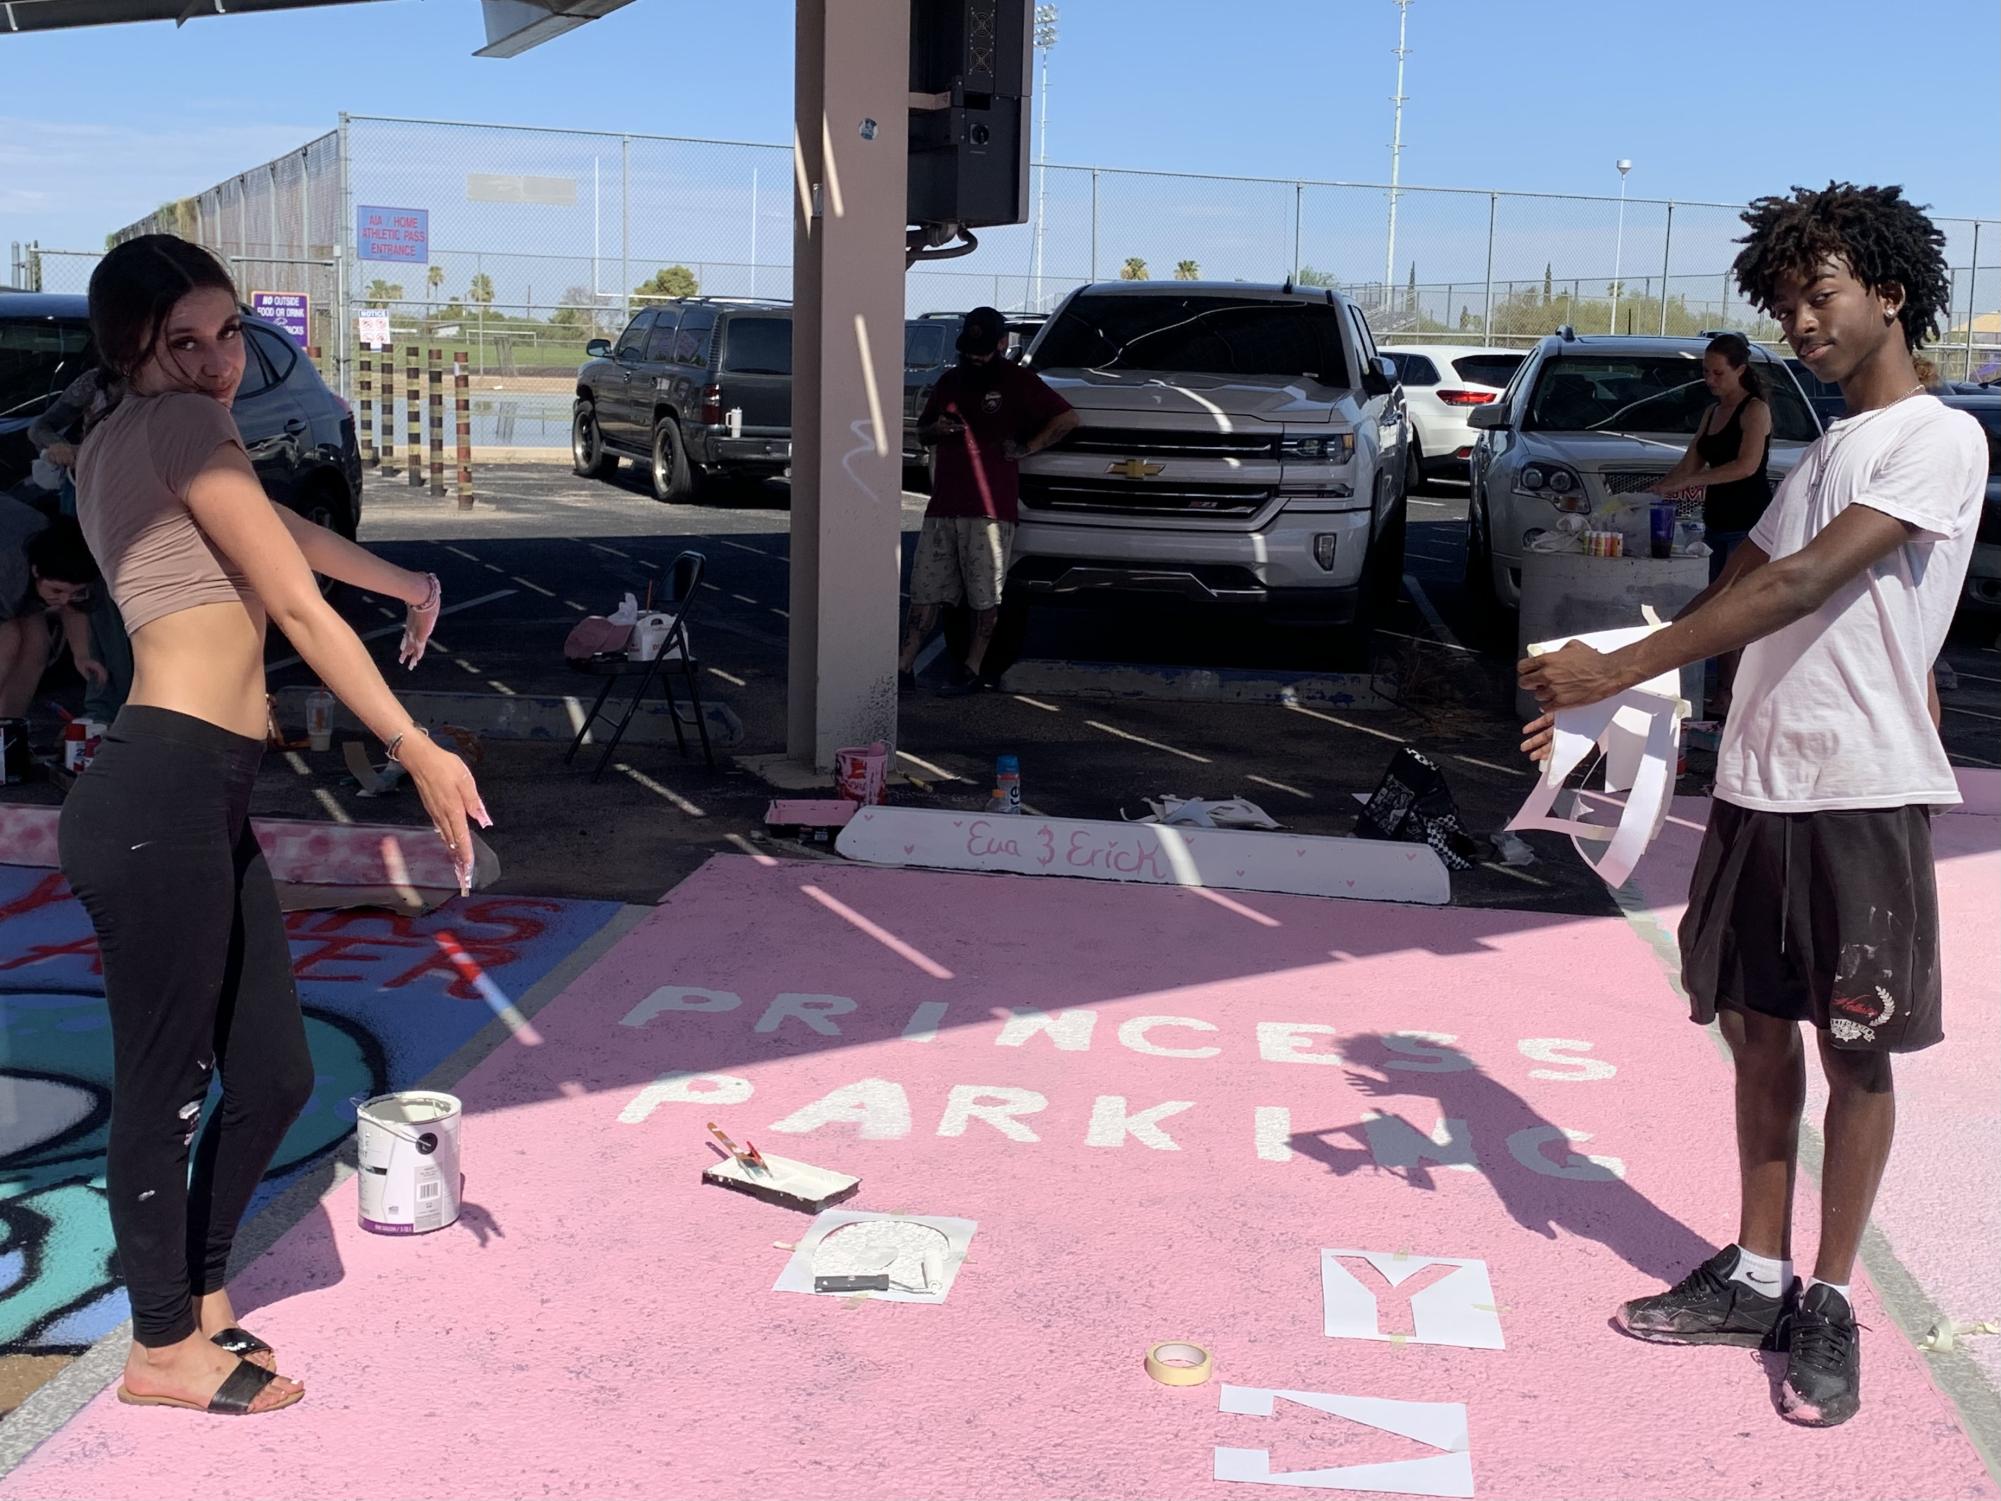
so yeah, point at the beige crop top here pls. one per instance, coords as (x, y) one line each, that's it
(132, 483)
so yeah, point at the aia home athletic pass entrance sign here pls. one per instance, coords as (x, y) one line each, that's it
(392, 234)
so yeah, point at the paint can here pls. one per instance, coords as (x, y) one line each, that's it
(862, 772)
(82, 739)
(408, 1147)
(319, 719)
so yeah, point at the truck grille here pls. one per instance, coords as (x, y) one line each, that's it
(1119, 498)
(1151, 443)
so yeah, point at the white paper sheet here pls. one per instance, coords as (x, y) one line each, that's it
(1457, 1309)
(1440, 1425)
(1640, 732)
(923, 1261)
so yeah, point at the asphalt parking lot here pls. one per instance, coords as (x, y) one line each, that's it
(543, 548)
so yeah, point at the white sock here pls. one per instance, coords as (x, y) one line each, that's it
(1813, 1282)
(1762, 1274)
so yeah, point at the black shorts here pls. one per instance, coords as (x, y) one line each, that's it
(1828, 917)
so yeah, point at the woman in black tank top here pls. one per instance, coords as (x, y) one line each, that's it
(1728, 456)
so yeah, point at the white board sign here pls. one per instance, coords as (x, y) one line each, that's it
(1098, 850)
(372, 328)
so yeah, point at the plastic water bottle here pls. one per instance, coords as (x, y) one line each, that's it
(1007, 783)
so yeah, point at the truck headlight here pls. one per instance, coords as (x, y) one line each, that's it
(1319, 448)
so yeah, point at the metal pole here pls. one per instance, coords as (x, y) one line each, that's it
(1667, 247)
(1618, 255)
(271, 177)
(1045, 43)
(1298, 214)
(753, 231)
(1396, 155)
(1094, 224)
(625, 221)
(1487, 317)
(597, 226)
(1972, 279)
(344, 338)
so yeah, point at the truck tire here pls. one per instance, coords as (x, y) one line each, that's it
(588, 457)
(673, 481)
(1386, 558)
(1413, 466)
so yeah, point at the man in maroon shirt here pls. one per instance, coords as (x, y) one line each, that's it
(984, 416)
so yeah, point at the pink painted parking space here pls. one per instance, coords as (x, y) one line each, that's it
(1940, 1204)
(1159, 1105)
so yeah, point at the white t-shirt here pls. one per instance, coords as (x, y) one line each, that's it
(1830, 712)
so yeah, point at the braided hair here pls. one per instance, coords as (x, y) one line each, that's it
(1883, 238)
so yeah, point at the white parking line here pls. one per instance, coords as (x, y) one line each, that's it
(1035, 703)
(334, 810)
(691, 809)
(501, 688)
(729, 677)
(298, 763)
(1506, 771)
(1430, 612)
(1437, 503)
(1346, 724)
(923, 765)
(781, 614)
(573, 605)
(1098, 724)
(531, 584)
(1973, 713)
(1427, 641)
(745, 598)
(1282, 787)
(741, 547)
(461, 552)
(1509, 870)
(613, 551)
(494, 568)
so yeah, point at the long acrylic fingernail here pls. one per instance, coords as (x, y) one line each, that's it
(485, 818)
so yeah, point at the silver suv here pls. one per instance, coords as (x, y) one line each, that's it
(1240, 445)
(1586, 420)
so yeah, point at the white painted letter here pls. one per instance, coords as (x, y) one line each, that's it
(813, 1010)
(1395, 1142)
(996, 1104)
(1574, 1070)
(680, 1089)
(1286, 1042)
(1527, 1147)
(923, 1023)
(1069, 1030)
(878, 1106)
(1273, 1128)
(1425, 1053)
(1132, 1032)
(679, 998)
(1112, 1123)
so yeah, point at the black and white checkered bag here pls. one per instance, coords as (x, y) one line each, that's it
(1412, 803)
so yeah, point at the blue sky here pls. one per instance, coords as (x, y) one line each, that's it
(1711, 100)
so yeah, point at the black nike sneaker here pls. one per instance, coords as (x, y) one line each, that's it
(1823, 1346)
(1705, 1308)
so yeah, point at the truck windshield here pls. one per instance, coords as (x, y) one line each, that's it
(759, 346)
(1206, 335)
(1650, 394)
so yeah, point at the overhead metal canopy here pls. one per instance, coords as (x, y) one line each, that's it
(512, 26)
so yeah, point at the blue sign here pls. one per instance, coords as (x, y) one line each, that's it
(291, 311)
(393, 234)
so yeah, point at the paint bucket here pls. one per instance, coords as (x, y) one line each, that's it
(862, 772)
(408, 1145)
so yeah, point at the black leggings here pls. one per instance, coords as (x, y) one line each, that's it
(157, 843)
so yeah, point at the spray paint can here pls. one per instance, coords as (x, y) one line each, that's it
(1007, 783)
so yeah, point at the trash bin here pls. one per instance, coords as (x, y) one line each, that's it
(1569, 593)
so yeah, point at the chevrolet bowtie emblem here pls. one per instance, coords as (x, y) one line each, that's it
(1134, 469)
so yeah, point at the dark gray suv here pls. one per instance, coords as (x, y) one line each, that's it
(696, 388)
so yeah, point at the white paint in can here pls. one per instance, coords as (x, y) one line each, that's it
(408, 1147)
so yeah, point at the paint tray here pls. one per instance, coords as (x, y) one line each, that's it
(789, 1184)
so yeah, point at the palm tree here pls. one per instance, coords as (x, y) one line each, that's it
(433, 279)
(481, 290)
(381, 293)
(1187, 271)
(1134, 269)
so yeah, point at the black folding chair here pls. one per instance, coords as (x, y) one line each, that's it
(671, 654)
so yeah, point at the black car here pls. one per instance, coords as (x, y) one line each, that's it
(299, 434)
(695, 388)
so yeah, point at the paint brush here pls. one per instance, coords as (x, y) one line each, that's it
(756, 1156)
(731, 1147)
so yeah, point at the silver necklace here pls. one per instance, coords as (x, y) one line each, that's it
(1834, 440)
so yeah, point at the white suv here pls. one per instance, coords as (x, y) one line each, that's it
(1240, 445)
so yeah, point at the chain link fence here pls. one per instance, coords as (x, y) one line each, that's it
(539, 240)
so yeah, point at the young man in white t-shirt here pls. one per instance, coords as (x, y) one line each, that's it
(1813, 899)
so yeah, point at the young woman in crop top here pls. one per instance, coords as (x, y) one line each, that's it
(1727, 461)
(156, 839)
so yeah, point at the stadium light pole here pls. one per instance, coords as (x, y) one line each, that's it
(1619, 244)
(1396, 155)
(1045, 42)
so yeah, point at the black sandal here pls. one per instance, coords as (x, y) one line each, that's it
(231, 1400)
(241, 1342)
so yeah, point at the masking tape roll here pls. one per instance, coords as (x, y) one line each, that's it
(1190, 1365)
